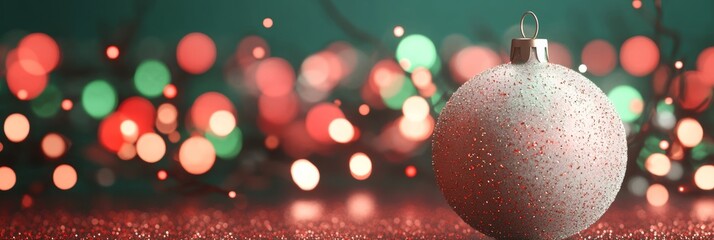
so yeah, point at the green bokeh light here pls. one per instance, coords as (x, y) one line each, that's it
(419, 51)
(48, 103)
(229, 146)
(623, 97)
(664, 107)
(397, 100)
(99, 98)
(151, 78)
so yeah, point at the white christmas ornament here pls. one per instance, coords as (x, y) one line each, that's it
(529, 149)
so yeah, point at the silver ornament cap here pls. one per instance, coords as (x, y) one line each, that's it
(524, 49)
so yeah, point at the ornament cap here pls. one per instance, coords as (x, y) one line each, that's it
(524, 49)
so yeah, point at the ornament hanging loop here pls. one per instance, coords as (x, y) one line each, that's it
(523, 34)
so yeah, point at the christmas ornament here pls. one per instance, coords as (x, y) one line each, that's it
(529, 149)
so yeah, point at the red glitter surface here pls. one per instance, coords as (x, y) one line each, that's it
(358, 215)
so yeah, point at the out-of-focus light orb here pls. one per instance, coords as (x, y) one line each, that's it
(471, 61)
(39, 48)
(275, 77)
(341, 130)
(142, 112)
(222, 123)
(247, 52)
(7, 178)
(628, 102)
(67, 104)
(704, 177)
(398, 31)
(306, 210)
(150, 147)
(99, 98)
(127, 151)
(658, 164)
(678, 64)
(170, 91)
(705, 65)
(360, 166)
(638, 186)
(318, 120)
(112, 52)
(167, 113)
(267, 22)
(26, 201)
(23, 84)
(639, 55)
(105, 177)
(162, 175)
(53, 145)
(258, 52)
(305, 174)
(361, 206)
(197, 155)
(16, 127)
(232, 194)
(416, 130)
(559, 54)
(675, 172)
(599, 56)
(363, 109)
(657, 195)
(697, 93)
(415, 108)
(48, 103)
(129, 130)
(582, 68)
(196, 53)
(689, 132)
(421, 77)
(271, 142)
(151, 77)
(110, 135)
(205, 105)
(229, 146)
(410, 171)
(418, 51)
(636, 4)
(663, 144)
(64, 177)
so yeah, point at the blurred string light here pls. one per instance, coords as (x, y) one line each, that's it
(112, 52)
(150, 147)
(639, 56)
(636, 4)
(559, 54)
(704, 177)
(196, 53)
(99, 98)
(398, 31)
(305, 174)
(658, 164)
(363, 109)
(689, 132)
(628, 102)
(705, 65)
(416, 51)
(197, 155)
(698, 93)
(415, 108)
(582, 68)
(318, 120)
(268, 22)
(360, 166)
(678, 64)
(410, 171)
(341, 130)
(205, 105)
(599, 57)
(53, 145)
(657, 195)
(67, 104)
(162, 175)
(222, 123)
(471, 61)
(170, 91)
(275, 77)
(16, 127)
(7, 178)
(151, 78)
(64, 177)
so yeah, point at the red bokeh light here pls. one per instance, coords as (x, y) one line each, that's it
(470, 61)
(170, 91)
(705, 65)
(278, 110)
(275, 77)
(247, 53)
(410, 171)
(600, 57)
(110, 135)
(196, 53)
(207, 104)
(141, 111)
(697, 93)
(318, 120)
(559, 54)
(24, 85)
(112, 52)
(40, 48)
(639, 56)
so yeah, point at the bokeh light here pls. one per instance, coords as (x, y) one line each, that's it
(229, 146)
(471, 61)
(415, 108)
(16, 127)
(268, 22)
(278, 110)
(23, 84)
(38, 48)
(704, 177)
(305, 174)
(418, 51)
(275, 77)
(222, 123)
(129, 130)
(7, 178)
(638, 186)
(360, 166)
(99, 98)
(110, 135)
(689, 132)
(599, 56)
(150, 147)
(170, 91)
(658, 164)
(559, 54)
(363, 109)
(67, 104)
(705, 65)
(628, 102)
(64, 177)
(318, 120)
(205, 105)
(639, 55)
(697, 93)
(416, 130)
(105, 177)
(410, 171)
(162, 175)
(53, 145)
(151, 78)
(398, 31)
(246, 51)
(196, 53)
(141, 111)
(636, 4)
(197, 155)
(657, 195)
(112, 52)
(341, 130)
